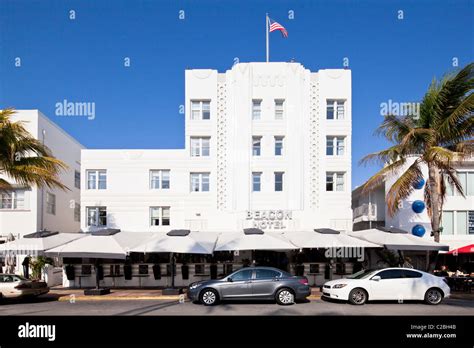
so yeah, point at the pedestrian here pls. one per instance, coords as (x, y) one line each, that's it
(26, 266)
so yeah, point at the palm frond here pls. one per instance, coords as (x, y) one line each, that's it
(403, 187)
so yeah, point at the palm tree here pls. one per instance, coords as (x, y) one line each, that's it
(438, 138)
(24, 159)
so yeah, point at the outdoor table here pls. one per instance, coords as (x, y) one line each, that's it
(80, 278)
(140, 276)
(113, 276)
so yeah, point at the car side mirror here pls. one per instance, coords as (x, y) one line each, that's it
(376, 278)
(229, 280)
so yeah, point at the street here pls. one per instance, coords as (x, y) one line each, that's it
(51, 306)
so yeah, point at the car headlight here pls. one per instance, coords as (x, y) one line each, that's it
(338, 286)
(194, 286)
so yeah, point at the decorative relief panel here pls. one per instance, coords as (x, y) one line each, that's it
(314, 129)
(221, 147)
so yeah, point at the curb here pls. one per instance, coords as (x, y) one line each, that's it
(135, 298)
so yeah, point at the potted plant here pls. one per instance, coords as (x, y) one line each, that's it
(37, 266)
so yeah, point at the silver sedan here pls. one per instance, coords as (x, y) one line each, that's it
(251, 283)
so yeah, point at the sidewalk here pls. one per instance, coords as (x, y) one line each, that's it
(70, 295)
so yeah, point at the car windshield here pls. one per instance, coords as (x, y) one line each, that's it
(362, 274)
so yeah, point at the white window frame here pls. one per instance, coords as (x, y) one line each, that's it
(96, 182)
(257, 180)
(332, 141)
(97, 217)
(454, 222)
(50, 203)
(282, 181)
(451, 191)
(200, 180)
(281, 140)
(256, 140)
(197, 147)
(164, 213)
(336, 181)
(15, 197)
(338, 107)
(279, 109)
(197, 105)
(156, 181)
(256, 109)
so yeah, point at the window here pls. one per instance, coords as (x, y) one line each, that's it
(457, 222)
(242, 275)
(96, 216)
(200, 269)
(77, 179)
(391, 274)
(266, 274)
(159, 216)
(50, 203)
(200, 182)
(200, 110)
(279, 181)
(335, 109)
(96, 179)
(279, 109)
(256, 146)
(200, 146)
(334, 181)
(447, 221)
(77, 212)
(335, 146)
(159, 179)
(256, 181)
(279, 146)
(12, 199)
(466, 179)
(412, 274)
(256, 109)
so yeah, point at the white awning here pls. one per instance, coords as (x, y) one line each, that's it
(398, 241)
(191, 243)
(116, 246)
(31, 246)
(264, 241)
(312, 239)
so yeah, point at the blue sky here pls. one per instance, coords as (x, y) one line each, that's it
(138, 107)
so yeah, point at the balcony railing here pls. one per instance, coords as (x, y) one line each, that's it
(366, 210)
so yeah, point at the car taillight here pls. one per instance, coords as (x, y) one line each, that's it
(304, 281)
(22, 286)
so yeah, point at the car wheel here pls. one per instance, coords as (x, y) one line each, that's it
(358, 296)
(285, 297)
(209, 297)
(433, 296)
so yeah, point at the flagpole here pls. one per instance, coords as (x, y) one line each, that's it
(268, 41)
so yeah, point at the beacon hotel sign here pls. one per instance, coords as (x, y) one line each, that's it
(269, 219)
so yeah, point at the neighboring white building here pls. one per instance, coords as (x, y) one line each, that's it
(29, 209)
(267, 145)
(457, 217)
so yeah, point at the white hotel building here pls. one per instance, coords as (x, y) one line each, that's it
(267, 145)
(25, 210)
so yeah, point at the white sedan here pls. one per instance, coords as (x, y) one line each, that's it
(388, 284)
(12, 286)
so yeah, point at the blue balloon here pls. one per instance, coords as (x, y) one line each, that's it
(418, 230)
(418, 206)
(419, 184)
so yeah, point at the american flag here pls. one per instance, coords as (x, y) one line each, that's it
(277, 26)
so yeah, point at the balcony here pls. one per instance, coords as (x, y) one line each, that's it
(365, 212)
